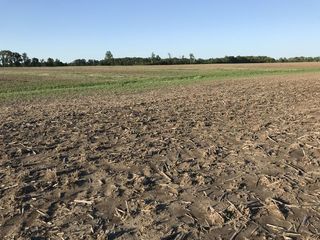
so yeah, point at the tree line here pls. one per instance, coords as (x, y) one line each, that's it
(14, 59)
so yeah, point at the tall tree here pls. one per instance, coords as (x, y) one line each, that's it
(153, 57)
(50, 62)
(35, 62)
(192, 58)
(16, 59)
(108, 55)
(6, 58)
(25, 60)
(108, 59)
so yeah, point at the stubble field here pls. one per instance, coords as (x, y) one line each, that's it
(160, 152)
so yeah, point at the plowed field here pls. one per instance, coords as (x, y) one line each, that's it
(237, 157)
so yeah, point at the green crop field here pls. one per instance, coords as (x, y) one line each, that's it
(35, 82)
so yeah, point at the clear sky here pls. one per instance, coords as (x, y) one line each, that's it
(70, 29)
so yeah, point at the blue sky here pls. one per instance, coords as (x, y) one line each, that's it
(70, 29)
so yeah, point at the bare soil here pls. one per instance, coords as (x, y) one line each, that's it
(226, 160)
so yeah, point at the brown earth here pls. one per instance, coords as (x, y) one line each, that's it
(226, 160)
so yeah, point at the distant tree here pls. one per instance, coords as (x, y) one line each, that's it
(158, 59)
(92, 62)
(153, 58)
(79, 62)
(35, 62)
(5, 58)
(108, 56)
(24, 57)
(50, 62)
(192, 58)
(58, 63)
(25, 60)
(317, 59)
(16, 59)
(108, 59)
(184, 60)
(10, 59)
